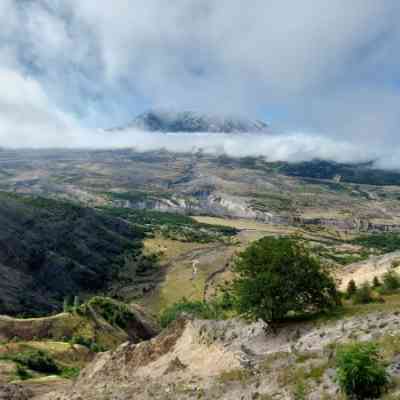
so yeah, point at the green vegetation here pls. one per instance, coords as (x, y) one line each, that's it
(61, 249)
(360, 371)
(362, 173)
(277, 277)
(36, 360)
(390, 282)
(351, 289)
(30, 362)
(376, 283)
(173, 226)
(363, 295)
(115, 313)
(197, 309)
(22, 373)
(235, 375)
(87, 342)
(264, 202)
(386, 242)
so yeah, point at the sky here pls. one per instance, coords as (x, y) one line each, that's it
(325, 74)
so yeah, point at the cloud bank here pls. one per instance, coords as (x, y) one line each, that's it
(330, 67)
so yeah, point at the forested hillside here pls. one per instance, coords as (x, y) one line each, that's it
(50, 250)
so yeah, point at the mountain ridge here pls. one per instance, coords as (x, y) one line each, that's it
(192, 121)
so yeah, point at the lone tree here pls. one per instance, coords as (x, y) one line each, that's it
(276, 276)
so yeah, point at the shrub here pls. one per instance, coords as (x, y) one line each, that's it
(360, 372)
(87, 342)
(22, 373)
(351, 289)
(37, 360)
(376, 282)
(276, 276)
(197, 309)
(115, 313)
(390, 281)
(363, 295)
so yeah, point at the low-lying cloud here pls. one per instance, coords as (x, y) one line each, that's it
(292, 147)
(326, 72)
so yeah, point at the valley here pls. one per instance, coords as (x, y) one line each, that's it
(128, 235)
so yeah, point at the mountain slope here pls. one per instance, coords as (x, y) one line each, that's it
(190, 122)
(50, 250)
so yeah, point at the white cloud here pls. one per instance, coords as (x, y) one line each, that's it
(328, 66)
(27, 116)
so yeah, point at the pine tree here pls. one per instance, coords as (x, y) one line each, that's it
(351, 289)
(376, 282)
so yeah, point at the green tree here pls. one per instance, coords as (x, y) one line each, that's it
(351, 289)
(275, 276)
(391, 281)
(360, 372)
(363, 295)
(376, 282)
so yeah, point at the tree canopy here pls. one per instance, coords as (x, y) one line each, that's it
(276, 276)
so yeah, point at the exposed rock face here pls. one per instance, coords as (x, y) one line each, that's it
(217, 204)
(190, 122)
(225, 360)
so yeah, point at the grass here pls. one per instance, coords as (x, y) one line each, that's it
(386, 242)
(66, 326)
(173, 226)
(32, 363)
(176, 259)
(239, 375)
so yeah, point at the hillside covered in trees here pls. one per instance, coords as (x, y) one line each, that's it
(51, 250)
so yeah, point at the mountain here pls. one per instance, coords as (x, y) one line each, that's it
(190, 122)
(50, 250)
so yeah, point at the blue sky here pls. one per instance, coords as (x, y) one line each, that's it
(329, 68)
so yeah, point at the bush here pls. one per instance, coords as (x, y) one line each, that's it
(22, 373)
(197, 309)
(390, 282)
(376, 283)
(360, 372)
(276, 276)
(37, 360)
(115, 313)
(87, 342)
(351, 289)
(363, 295)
